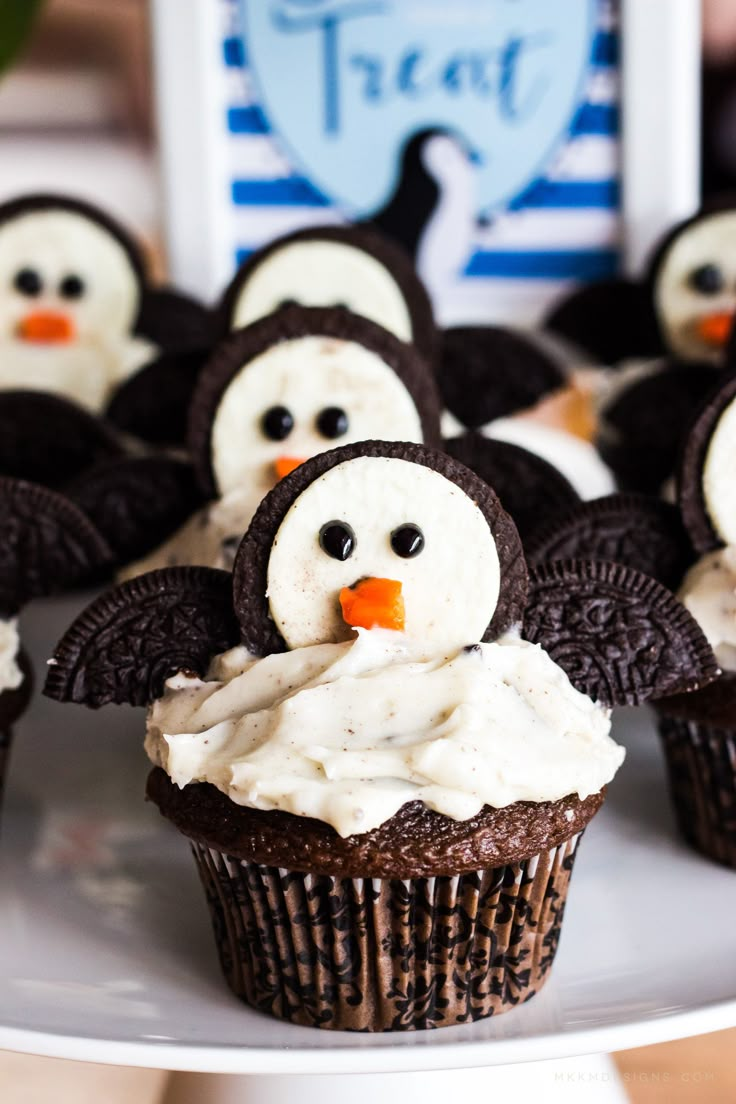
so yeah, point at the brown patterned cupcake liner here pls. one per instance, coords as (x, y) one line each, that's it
(380, 954)
(701, 766)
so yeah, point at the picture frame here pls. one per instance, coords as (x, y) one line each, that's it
(232, 180)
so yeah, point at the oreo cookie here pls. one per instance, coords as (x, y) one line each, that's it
(49, 440)
(379, 250)
(707, 524)
(231, 361)
(136, 407)
(642, 427)
(635, 530)
(137, 502)
(250, 571)
(530, 489)
(487, 372)
(124, 646)
(620, 636)
(48, 544)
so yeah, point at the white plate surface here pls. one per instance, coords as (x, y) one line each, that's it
(106, 952)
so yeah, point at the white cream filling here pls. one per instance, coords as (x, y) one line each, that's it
(708, 591)
(348, 733)
(11, 675)
(323, 273)
(375, 496)
(679, 307)
(719, 476)
(306, 375)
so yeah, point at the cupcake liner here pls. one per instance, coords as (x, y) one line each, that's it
(701, 765)
(372, 954)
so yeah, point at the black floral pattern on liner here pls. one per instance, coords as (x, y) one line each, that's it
(701, 769)
(376, 954)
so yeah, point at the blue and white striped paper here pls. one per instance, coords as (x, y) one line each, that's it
(564, 226)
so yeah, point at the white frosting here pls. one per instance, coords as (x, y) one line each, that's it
(376, 495)
(708, 591)
(348, 733)
(306, 375)
(322, 273)
(679, 307)
(210, 538)
(56, 244)
(719, 476)
(11, 675)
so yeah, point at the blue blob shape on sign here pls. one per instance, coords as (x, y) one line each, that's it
(346, 83)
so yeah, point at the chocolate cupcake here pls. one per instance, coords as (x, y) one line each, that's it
(690, 547)
(698, 730)
(383, 781)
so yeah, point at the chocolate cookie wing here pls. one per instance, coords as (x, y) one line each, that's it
(635, 530)
(49, 440)
(620, 636)
(530, 489)
(611, 320)
(48, 544)
(153, 404)
(137, 502)
(705, 476)
(124, 646)
(486, 372)
(174, 321)
(641, 429)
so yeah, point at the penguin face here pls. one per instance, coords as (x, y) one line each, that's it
(695, 288)
(320, 272)
(380, 542)
(64, 279)
(302, 396)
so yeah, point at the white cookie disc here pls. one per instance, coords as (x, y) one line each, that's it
(683, 310)
(306, 375)
(319, 273)
(719, 476)
(375, 496)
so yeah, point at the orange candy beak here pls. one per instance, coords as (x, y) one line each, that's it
(373, 604)
(286, 464)
(714, 329)
(47, 327)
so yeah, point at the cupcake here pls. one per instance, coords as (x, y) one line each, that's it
(698, 730)
(690, 547)
(48, 546)
(383, 777)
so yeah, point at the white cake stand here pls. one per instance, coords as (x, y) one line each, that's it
(106, 953)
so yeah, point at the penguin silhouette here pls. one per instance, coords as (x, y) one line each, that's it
(432, 209)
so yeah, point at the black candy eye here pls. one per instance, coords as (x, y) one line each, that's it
(708, 279)
(337, 539)
(332, 421)
(341, 305)
(28, 282)
(407, 541)
(277, 423)
(288, 303)
(71, 287)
